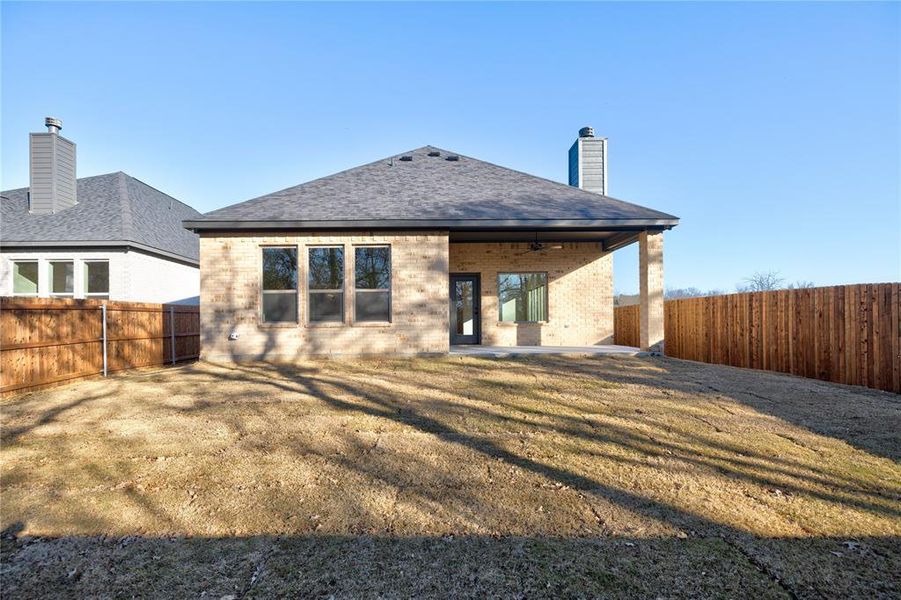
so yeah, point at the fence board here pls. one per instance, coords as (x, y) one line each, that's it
(47, 341)
(846, 334)
(625, 326)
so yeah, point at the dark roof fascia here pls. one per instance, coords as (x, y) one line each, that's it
(105, 244)
(450, 224)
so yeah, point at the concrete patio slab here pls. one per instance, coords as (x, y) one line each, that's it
(507, 351)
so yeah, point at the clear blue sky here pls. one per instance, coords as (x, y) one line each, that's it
(772, 130)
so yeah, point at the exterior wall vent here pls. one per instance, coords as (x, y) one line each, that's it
(52, 179)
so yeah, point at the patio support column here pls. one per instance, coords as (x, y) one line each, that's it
(650, 264)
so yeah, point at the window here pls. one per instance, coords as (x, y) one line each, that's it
(522, 296)
(96, 279)
(25, 278)
(62, 277)
(372, 283)
(326, 300)
(280, 285)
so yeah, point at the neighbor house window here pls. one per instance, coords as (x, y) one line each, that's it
(280, 285)
(96, 279)
(372, 283)
(522, 296)
(326, 278)
(62, 277)
(25, 278)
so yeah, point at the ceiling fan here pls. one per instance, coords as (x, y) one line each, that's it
(536, 246)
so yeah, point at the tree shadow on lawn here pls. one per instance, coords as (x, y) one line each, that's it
(866, 418)
(714, 557)
(378, 396)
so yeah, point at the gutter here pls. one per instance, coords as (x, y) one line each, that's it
(197, 225)
(79, 245)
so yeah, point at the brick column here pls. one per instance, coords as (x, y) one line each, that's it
(650, 264)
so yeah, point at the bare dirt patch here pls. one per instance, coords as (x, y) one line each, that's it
(540, 476)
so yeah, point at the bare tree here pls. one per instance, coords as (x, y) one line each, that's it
(689, 292)
(761, 282)
(801, 284)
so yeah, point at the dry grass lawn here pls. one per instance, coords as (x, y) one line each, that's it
(541, 476)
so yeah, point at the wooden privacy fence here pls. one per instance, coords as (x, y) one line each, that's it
(846, 334)
(46, 341)
(625, 325)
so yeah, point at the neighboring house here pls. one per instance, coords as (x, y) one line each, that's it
(423, 250)
(109, 236)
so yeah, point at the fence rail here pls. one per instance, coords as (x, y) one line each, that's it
(44, 342)
(845, 334)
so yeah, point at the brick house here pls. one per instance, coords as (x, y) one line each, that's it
(421, 251)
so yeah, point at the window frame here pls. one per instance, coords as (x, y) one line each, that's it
(342, 290)
(50, 264)
(37, 284)
(295, 291)
(84, 272)
(547, 293)
(389, 289)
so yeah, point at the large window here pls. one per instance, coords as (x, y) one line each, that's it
(522, 296)
(62, 277)
(326, 282)
(372, 283)
(96, 279)
(280, 285)
(25, 278)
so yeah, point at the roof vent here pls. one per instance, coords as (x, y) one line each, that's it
(434, 153)
(406, 158)
(453, 157)
(586, 132)
(53, 125)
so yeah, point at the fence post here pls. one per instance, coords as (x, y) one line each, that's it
(172, 331)
(103, 312)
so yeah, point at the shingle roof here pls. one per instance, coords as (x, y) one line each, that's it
(112, 208)
(428, 189)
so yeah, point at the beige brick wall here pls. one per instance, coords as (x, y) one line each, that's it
(580, 294)
(650, 283)
(230, 270)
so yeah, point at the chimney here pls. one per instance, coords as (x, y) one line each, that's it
(588, 162)
(52, 170)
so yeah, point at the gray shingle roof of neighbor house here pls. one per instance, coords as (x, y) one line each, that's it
(427, 187)
(112, 210)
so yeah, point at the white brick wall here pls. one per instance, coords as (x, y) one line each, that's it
(134, 276)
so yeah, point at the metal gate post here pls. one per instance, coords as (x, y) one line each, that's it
(172, 331)
(103, 311)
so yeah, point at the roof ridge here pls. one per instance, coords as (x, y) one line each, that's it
(171, 197)
(125, 200)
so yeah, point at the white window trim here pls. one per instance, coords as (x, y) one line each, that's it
(84, 275)
(50, 278)
(12, 277)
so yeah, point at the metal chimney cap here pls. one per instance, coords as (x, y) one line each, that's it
(586, 132)
(53, 124)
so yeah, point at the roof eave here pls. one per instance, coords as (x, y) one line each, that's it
(449, 224)
(92, 244)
